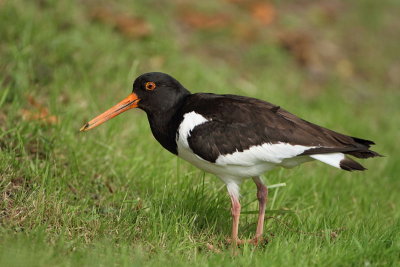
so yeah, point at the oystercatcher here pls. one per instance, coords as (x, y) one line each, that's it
(234, 137)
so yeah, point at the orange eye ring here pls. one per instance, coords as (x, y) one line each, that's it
(150, 86)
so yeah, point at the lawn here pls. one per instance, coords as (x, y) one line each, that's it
(114, 196)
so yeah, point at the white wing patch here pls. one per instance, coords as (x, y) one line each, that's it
(272, 153)
(332, 159)
(190, 120)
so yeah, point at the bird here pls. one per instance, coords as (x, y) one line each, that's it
(234, 137)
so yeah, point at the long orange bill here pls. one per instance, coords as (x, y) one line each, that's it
(129, 102)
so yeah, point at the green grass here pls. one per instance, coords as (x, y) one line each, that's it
(113, 196)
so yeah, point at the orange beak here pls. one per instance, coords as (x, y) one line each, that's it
(129, 102)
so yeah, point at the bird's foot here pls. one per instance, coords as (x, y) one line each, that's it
(231, 241)
(256, 241)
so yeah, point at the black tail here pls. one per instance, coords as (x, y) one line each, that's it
(364, 142)
(357, 147)
(363, 154)
(363, 151)
(348, 164)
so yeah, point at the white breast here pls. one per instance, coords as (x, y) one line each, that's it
(190, 120)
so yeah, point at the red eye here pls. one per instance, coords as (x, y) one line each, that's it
(150, 86)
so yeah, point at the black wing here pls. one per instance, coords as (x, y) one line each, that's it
(237, 123)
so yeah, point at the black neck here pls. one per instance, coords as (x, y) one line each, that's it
(164, 126)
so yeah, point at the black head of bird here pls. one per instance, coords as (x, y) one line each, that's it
(155, 92)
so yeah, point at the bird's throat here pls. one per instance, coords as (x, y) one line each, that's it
(164, 127)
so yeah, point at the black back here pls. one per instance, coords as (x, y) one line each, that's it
(237, 123)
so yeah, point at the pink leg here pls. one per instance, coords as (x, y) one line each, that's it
(233, 190)
(235, 210)
(262, 196)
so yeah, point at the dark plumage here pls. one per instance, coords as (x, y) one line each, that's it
(234, 137)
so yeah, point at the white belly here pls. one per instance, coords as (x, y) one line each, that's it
(227, 170)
